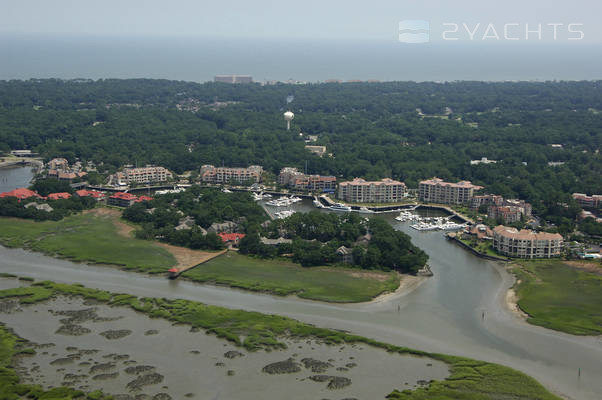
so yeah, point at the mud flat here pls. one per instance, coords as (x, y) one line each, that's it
(111, 350)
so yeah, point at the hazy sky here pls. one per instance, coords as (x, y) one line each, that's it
(324, 19)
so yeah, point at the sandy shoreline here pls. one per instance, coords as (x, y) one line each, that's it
(512, 304)
(407, 284)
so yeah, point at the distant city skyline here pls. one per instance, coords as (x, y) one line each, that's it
(310, 19)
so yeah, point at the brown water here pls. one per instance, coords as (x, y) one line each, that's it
(193, 362)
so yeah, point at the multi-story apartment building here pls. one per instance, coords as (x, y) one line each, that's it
(59, 164)
(146, 174)
(291, 177)
(287, 175)
(435, 190)
(486, 199)
(526, 243)
(233, 78)
(361, 191)
(508, 214)
(211, 174)
(593, 201)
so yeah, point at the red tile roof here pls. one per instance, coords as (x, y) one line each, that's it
(143, 198)
(57, 196)
(20, 193)
(91, 193)
(123, 196)
(231, 237)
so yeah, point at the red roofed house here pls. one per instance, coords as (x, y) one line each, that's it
(122, 199)
(57, 196)
(231, 239)
(143, 198)
(98, 196)
(20, 193)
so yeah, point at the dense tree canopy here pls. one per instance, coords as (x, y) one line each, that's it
(404, 130)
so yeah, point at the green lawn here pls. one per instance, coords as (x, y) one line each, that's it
(283, 278)
(469, 379)
(557, 296)
(93, 238)
(85, 238)
(482, 246)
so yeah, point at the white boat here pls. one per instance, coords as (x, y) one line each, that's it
(365, 210)
(226, 190)
(294, 199)
(452, 226)
(282, 202)
(339, 207)
(284, 214)
(406, 216)
(423, 226)
(260, 196)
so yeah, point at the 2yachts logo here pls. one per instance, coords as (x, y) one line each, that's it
(414, 31)
(419, 31)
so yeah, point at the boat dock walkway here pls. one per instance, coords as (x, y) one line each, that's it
(177, 271)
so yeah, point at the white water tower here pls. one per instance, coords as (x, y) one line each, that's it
(288, 117)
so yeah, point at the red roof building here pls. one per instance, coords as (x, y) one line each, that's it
(90, 193)
(58, 196)
(122, 199)
(143, 198)
(20, 193)
(231, 238)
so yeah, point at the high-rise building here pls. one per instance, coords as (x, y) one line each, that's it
(526, 243)
(148, 174)
(362, 191)
(233, 78)
(211, 174)
(435, 190)
(291, 177)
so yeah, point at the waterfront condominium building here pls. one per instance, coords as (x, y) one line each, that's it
(594, 201)
(508, 214)
(146, 174)
(292, 178)
(211, 174)
(435, 190)
(361, 191)
(526, 243)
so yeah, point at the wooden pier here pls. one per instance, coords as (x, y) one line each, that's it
(174, 272)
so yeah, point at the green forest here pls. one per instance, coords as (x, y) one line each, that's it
(316, 237)
(404, 130)
(160, 216)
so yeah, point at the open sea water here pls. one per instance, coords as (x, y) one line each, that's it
(200, 59)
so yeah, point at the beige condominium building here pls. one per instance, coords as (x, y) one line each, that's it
(295, 179)
(436, 190)
(146, 174)
(361, 191)
(526, 243)
(211, 174)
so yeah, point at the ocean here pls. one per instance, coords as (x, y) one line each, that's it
(199, 59)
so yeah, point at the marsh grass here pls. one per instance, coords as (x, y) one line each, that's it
(559, 297)
(283, 278)
(469, 379)
(85, 238)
